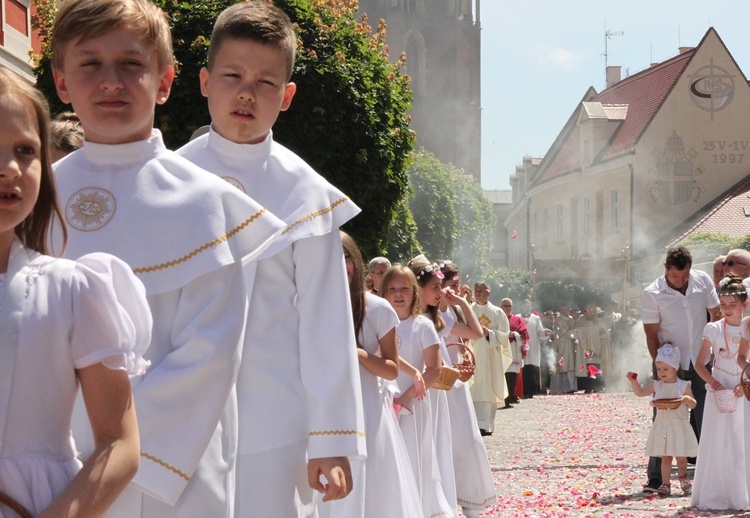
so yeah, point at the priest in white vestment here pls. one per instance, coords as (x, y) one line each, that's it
(493, 357)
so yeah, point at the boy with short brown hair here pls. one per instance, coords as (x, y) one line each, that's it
(184, 233)
(298, 389)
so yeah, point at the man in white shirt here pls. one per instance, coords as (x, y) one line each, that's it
(675, 308)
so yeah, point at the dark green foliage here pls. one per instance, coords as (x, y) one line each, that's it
(402, 241)
(432, 206)
(348, 119)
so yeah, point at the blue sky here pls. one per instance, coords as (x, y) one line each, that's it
(540, 56)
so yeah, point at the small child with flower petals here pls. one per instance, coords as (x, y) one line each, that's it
(671, 435)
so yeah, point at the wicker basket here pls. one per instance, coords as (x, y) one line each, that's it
(8, 501)
(744, 382)
(726, 401)
(448, 376)
(668, 404)
(467, 363)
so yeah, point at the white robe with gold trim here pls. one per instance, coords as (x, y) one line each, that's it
(185, 234)
(493, 357)
(299, 379)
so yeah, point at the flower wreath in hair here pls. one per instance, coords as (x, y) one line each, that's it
(425, 267)
(443, 265)
(721, 288)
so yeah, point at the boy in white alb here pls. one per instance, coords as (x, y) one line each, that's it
(298, 390)
(184, 232)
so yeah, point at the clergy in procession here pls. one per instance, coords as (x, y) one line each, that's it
(593, 349)
(493, 357)
(564, 380)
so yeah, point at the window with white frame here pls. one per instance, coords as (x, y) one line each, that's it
(545, 227)
(560, 222)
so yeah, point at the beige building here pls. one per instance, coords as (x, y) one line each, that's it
(631, 165)
(17, 39)
(502, 204)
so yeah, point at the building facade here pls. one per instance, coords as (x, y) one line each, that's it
(441, 39)
(632, 165)
(17, 40)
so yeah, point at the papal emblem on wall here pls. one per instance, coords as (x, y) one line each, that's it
(675, 173)
(711, 88)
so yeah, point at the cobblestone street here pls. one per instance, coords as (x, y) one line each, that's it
(578, 455)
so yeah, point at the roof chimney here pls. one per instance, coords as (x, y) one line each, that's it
(685, 49)
(614, 75)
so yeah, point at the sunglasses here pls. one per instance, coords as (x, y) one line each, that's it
(732, 263)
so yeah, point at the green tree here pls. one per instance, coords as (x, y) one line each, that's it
(402, 241)
(742, 242)
(348, 120)
(475, 223)
(432, 206)
(705, 246)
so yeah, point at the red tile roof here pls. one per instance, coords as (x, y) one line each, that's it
(724, 215)
(635, 100)
(644, 93)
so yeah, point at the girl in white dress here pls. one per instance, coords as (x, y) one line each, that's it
(671, 435)
(62, 323)
(721, 452)
(429, 278)
(384, 484)
(475, 488)
(419, 367)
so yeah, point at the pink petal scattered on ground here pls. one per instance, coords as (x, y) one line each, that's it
(577, 456)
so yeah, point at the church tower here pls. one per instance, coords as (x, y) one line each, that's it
(441, 39)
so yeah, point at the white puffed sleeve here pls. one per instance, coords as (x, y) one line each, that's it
(111, 318)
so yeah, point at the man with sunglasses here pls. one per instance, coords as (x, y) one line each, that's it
(737, 262)
(675, 309)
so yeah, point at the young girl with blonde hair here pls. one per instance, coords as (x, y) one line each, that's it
(384, 483)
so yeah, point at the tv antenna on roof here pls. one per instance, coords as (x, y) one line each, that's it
(607, 36)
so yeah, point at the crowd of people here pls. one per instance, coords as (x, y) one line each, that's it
(697, 333)
(230, 360)
(196, 337)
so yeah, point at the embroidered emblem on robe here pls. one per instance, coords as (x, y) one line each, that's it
(484, 320)
(90, 209)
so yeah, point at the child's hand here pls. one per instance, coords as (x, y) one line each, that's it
(450, 296)
(632, 376)
(404, 401)
(419, 386)
(652, 403)
(738, 392)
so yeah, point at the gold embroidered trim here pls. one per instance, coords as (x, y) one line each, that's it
(480, 505)
(165, 465)
(316, 214)
(338, 432)
(218, 240)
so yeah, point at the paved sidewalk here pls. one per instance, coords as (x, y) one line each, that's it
(578, 455)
